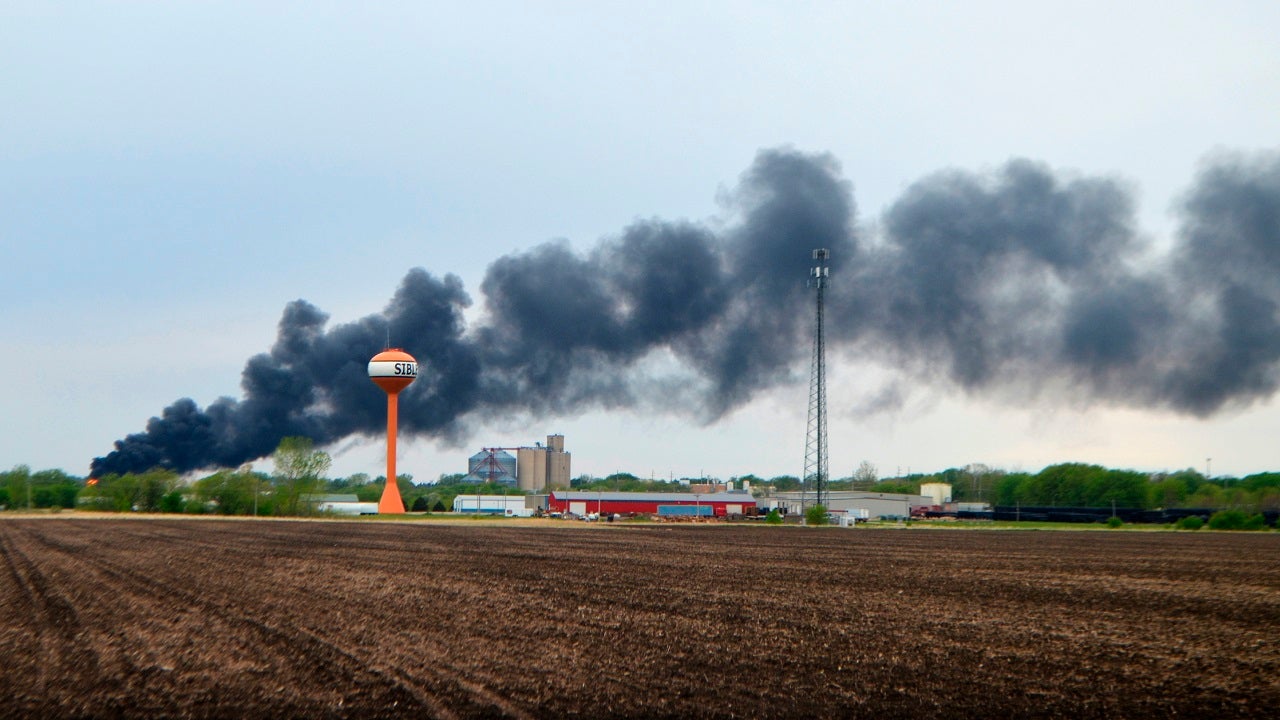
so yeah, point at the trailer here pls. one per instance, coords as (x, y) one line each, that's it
(850, 517)
(686, 511)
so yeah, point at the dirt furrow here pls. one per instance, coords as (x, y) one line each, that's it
(349, 619)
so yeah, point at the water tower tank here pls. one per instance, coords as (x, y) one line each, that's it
(393, 370)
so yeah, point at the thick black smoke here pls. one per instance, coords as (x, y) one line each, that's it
(1019, 281)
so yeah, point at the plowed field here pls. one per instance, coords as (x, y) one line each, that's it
(188, 618)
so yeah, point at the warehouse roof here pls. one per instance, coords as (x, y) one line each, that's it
(331, 498)
(731, 497)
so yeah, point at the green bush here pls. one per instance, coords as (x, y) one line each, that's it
(1236, 520)
(773, 518)
(1114, 522)
(1227, 520)
(172, 502)
(1191, 522)
(816, 515)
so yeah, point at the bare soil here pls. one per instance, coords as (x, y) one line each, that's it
(180, 618)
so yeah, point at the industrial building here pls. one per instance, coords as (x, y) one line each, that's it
(877, 505)
(535, 469)
(340, 505)
(720, 504)
(508, 506)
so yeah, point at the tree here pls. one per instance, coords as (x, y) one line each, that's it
(1207, 495)
(784, 483)
(299, 469)
(866, 475)
(1166, 493)
(1065, 485)
(892, 486)
(18, 482)
(355, 480)
(1123, 488)
(980, 478)
(231, 492)
(1014, 489)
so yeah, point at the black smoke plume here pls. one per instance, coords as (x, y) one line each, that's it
(1021, 281)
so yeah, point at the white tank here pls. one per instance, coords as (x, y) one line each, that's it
(940, 493)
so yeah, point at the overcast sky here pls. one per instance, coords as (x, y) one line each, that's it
(173, 174)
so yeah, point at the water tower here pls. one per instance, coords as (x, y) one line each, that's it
(392, 370)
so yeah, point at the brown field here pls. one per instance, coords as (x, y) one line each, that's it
(109, 618)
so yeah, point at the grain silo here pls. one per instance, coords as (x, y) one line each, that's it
(543, 467)
(531, 468)
(557, 462)
(491, 465)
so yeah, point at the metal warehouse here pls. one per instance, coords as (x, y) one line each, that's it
(717, 504)
(877, 505)
(513, 506)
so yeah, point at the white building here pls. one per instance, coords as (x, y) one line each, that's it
(877, 505)
(506, 505)
(341, 505)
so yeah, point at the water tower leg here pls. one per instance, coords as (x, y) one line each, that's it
(391, 504)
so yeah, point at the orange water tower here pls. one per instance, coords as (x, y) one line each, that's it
(393, 370)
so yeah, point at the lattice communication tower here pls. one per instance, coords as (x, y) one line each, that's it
(815, 447)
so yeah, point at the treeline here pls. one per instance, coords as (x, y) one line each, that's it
(226, 492)
(22, 488)
(1083, 485)
(300, 469)
(293, 489)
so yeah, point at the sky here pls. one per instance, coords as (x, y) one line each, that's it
(173, 176)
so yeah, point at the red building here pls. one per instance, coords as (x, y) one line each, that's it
(717, 504)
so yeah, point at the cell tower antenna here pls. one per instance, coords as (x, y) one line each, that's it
(815, 446)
